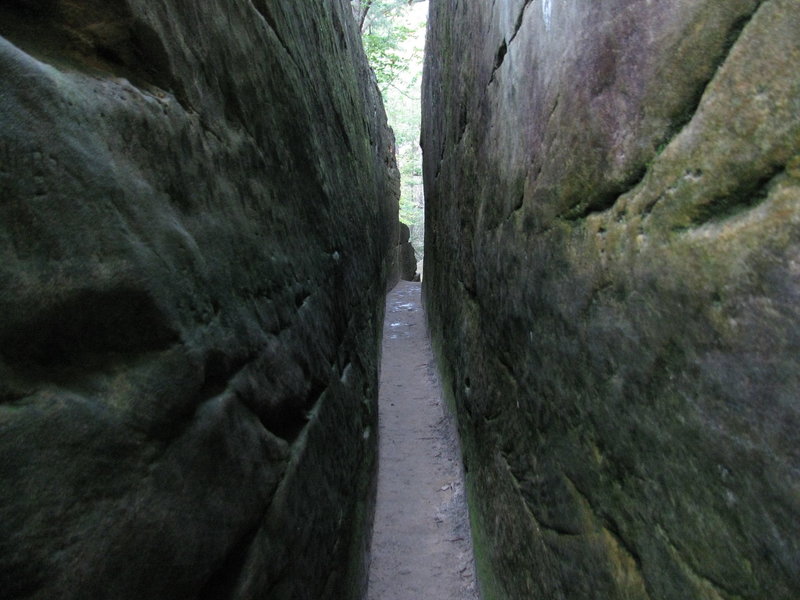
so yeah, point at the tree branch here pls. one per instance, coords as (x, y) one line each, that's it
(364, 11)
(399, 91)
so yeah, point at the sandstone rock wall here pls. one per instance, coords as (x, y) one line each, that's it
(406, 256)
(612, 247)
(198, 208)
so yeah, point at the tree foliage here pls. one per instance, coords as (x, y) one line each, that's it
(393, 32)
(384, 33)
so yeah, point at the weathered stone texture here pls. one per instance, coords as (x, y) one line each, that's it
(197, 218)
(406, 256)
(612, 251)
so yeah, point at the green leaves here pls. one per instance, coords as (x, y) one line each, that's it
(385, 53)
(385, 30)
(393, 32)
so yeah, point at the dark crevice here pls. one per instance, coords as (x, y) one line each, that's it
(440, 161)
(611, 526)
(462, 123)
(503, 49)
(605, 201)
(518, 203)
(550, 528)
(151, 58)
(583, 209)
(518, 24)
(88, 330)
(472, 294)
(218, 372)
(110, 55)
(681, 120)
(223, 582)
(261, 8)
(289, 419)
(10, 398)
(650, 205)
(684, 117)
(723, 207)
(500, 56)
(300, 298)
(102, 37)
(285, 420)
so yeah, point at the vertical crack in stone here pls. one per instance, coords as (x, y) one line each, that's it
(583, 210)
(260, 6)
(520, 18)
(502, 50)
(749, 195)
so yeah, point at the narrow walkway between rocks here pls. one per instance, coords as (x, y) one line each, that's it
(421, 546)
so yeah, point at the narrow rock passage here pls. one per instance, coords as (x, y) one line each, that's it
(421, 546)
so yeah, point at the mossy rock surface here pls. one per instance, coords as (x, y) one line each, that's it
(198, 217)
(611, 275)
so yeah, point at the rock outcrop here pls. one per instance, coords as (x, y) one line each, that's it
(613, 283)
(197, 219)
(406, 256)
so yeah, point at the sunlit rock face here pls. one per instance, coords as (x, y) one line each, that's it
(613, 282)
(198, 212)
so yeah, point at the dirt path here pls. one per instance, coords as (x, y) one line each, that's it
(421, 544)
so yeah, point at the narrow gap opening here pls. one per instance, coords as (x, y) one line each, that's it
(393, 32)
